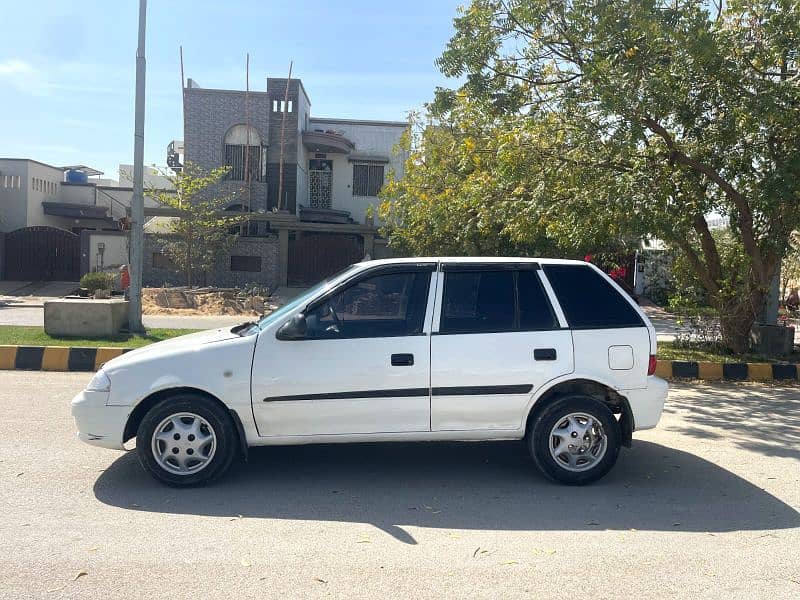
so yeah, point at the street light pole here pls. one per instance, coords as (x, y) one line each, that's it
(137, 202)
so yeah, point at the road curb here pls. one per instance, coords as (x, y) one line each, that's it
(687, 369)
(56, 358)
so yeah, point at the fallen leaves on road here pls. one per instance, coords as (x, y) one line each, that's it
(246, 563)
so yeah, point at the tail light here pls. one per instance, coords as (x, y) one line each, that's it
(651, 366)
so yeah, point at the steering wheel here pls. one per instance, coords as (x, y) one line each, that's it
(335, 317)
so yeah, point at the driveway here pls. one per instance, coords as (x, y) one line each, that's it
(705, 506)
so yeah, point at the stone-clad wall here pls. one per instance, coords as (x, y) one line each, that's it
(209, 116)
(220, 275)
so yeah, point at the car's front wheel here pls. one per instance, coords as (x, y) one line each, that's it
(186, 440)
(575, 440)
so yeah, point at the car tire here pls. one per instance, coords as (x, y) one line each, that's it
(575, 440)
(186, 440)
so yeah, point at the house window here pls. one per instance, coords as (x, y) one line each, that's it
(251, 264)
(282, 106)
(243, 153)
(367, 179)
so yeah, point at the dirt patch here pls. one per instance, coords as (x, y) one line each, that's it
(205, 301)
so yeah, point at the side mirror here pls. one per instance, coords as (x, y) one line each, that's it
(294, 329)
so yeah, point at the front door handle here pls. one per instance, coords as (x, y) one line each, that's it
(402, 360)
(544, 354)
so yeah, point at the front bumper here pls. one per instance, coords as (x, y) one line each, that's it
(648, 403)
(99, 424)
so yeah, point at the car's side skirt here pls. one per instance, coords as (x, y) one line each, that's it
(412, 436)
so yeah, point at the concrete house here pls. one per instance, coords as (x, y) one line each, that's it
(59, 222)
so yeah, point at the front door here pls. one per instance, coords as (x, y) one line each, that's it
(320, 183)
(498, 341)
(363, 367)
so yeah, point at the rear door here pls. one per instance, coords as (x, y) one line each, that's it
(611, 338)
(496, 341)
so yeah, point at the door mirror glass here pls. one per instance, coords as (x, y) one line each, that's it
(294, 329)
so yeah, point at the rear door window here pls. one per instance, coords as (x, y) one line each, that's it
(535, 312)
(486, 301)
(478, 302)
(588, 300)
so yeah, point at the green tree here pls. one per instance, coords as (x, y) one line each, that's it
(201, 236)
(639, 118)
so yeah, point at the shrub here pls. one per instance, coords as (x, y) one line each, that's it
(97, 281)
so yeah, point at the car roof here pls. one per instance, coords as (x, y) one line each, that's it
(470, 260)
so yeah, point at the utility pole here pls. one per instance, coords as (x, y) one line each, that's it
(137, 202)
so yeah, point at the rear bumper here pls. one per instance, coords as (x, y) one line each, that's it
(648, 403)
(99, 424)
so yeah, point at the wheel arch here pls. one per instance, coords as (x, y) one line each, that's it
(586, 387)
(147, 403)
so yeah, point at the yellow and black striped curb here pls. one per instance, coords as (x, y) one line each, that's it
(56, 358)
(686, 369)
(71, 358)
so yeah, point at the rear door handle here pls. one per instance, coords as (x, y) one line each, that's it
(544, 354)
(402, 360)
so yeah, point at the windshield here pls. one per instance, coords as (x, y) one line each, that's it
(303, 298)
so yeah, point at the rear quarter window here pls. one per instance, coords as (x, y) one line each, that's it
(588, 300)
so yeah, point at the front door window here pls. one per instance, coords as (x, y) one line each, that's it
(320, 179)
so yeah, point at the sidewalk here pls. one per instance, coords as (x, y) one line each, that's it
(34, 316)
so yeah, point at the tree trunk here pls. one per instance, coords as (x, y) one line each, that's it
(189, 259)
(735, 330)
(736, 319)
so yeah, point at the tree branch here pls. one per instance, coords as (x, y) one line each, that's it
(738, 199)
(697, 264)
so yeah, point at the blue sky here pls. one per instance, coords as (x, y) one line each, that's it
(67, 68)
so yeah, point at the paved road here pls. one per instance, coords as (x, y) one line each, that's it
(705, 506)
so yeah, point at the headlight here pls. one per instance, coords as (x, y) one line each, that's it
(99, 383)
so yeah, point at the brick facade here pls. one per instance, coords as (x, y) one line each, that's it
(221, 275)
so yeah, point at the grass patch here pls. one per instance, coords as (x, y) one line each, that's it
(698, 353)
(35, 336)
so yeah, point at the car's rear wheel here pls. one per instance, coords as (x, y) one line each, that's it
(575, 440)
(186, 440)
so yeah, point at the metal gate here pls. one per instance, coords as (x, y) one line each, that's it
(42, 254)
(315, 256)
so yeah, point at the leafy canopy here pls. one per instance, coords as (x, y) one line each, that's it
(589, 121)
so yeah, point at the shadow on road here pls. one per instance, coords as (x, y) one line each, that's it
(756, 417)
(460, 486)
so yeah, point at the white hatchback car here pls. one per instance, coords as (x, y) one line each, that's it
(422, 349)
